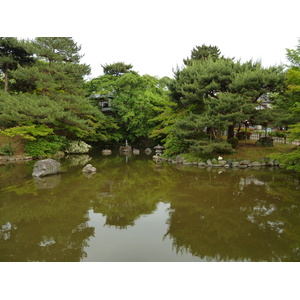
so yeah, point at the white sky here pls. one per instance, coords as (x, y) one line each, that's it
(155, 36)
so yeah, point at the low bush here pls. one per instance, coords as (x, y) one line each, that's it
(174, 145)
(7, 149)
(45, 146)
(233, 142)
(242, 135)
(280, 134)
(290, 160)
(204, 148)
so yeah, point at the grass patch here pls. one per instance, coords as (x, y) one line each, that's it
(248, 150)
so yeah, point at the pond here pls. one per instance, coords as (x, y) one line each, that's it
(134, 209)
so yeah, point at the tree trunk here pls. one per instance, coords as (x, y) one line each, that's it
(6, 80)
(230, 133)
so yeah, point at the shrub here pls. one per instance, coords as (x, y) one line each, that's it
(290, 160)
(174, 145)
(280, 134)
(203, 148)
(233, 142)
(45, 146)
(243, 134)
(8, 149)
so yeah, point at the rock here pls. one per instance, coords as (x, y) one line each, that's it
(214, 161)
(106, 152)
(46, 167)
(222, 162)
(255, 164)
(265, 142)
(229, 161)
(125, 149)
(89, 169)
(235, 164)
(148, 151)
(202, 164)
(242, 166)
(136, 152)
(78, 147)
(208, 162)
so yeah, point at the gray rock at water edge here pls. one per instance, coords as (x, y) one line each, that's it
(229, 162)
(89, 169)
(222, 162)
(136, 151)
(202, 164)
(255, 164)
(208, 162)
(242, 166)
(106, 152)
(46, 167)
(178, 159)
(148, 151)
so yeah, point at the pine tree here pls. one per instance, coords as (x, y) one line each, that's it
(57, 99)
(12, 54)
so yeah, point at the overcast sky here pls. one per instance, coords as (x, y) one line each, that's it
(155, 36)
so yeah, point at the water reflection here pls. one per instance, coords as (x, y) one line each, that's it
(216, 215)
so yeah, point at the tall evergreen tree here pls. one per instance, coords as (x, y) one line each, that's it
(12, 54)
(58, 79)
(117, 69)
(203, 52)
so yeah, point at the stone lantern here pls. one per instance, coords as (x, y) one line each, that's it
(158, 149)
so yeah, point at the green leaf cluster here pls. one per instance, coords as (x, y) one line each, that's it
(136, 101)
(45, 146)
(28, 132)
(51, 92)
(215, 93)
(7, 149)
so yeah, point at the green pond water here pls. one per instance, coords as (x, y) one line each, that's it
(134, 209)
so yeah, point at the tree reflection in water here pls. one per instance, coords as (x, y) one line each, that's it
(216, 215)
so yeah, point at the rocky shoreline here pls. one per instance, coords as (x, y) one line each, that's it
(15, 158)
(229, 163)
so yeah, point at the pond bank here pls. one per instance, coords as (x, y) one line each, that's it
(15, 158)
(229, 163)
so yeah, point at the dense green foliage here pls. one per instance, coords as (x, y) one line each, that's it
(214, 94)
(46, 101)
(12, 54)
(136, 101)
(50, 92)
(46, 146)
(290, 103)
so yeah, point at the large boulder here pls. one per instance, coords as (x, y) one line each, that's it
(46, 167)
(265, 142)
(78, 147)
